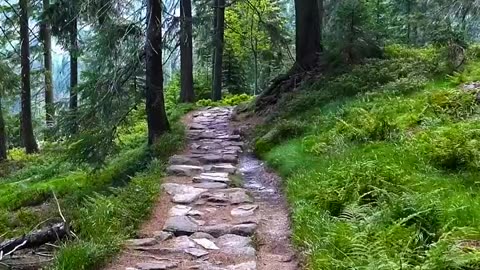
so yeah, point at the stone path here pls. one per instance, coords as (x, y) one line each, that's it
(206, 220)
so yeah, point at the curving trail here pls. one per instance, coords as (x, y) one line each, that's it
(221, 209)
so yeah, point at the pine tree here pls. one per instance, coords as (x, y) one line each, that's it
(155, 105)
(3, 134)
(28, 137)
(308, 33)
(47, 62)
(219, 44)
(187, 94)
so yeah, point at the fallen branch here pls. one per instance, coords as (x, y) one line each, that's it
(35, 239)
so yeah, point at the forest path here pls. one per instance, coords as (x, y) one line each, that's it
(220, 209)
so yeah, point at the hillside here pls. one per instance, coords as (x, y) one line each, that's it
(380, 163)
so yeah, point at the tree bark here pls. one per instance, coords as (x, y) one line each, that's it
(47, 63)
(3, 135)
(219, 40)
(214, 35)
(38, 238)
(155, 104)
(187, 94)
(74, 73)
(308, 33)
(26, 121)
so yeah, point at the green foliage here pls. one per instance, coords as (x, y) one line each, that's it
(383, 176)
(228, 100)
(452, 147)
(283, 130)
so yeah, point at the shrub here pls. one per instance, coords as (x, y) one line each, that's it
(228, 100)
(361, 125)
(452, 102)
(453, 147)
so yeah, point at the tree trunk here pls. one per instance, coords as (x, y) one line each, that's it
(3, 135)
(308, 33)
(74, 74)
(155, 104)
(187, 95)
(26, 99)
(214, 35)
(47, 62)
(219, 39)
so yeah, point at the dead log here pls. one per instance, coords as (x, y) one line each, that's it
(35, 239)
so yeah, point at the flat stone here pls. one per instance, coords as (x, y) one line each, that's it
(182, 193)
(216, 230)
(144, 242)
(195, 213)
(184, 160)
(226, 168)
(237, 245)
(239, 197)
(179, 210)
(180, 225)
(243, 266)
(206, 243)
(244, 229)
(182, 242)
(184, 170)
(195, 126)
(201, 235)
(162, 235)
(212, 177)
(156, 265)
(244, 210)
(196, 252)
(211, 185)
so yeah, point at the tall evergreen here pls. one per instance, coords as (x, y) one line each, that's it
(155, 103)
(308, 33)
(28, 137)
(3, 134)
(219, 44)
(47, 63)
(186, 52)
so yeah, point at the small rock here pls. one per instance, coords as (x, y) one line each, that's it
(195, 213)
(244, 210)
(226, 168)
(182, 193)
(162, 236)
(239, 197)
(156, 265)
(211, 185)
(244, 229)
(196, 252)
(205, 243)
(144, 242)
(184, 170)
(180, 225)
(237, 245)
(182, 242)
(179, 210)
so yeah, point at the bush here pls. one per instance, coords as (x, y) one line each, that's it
(361, 125)
(452, 102)
(453, 147)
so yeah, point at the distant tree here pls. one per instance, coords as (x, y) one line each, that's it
(187, 94)
(219, 44)
(46, 37)
(155, 104)
(3, 134)
(28, 137)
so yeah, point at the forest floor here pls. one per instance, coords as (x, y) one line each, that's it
(219, 208)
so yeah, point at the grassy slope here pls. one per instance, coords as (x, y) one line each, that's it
(104, 206)
(381, 166)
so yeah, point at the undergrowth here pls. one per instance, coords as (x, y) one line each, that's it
(381, 164)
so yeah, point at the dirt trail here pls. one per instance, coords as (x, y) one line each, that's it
(220, 209)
